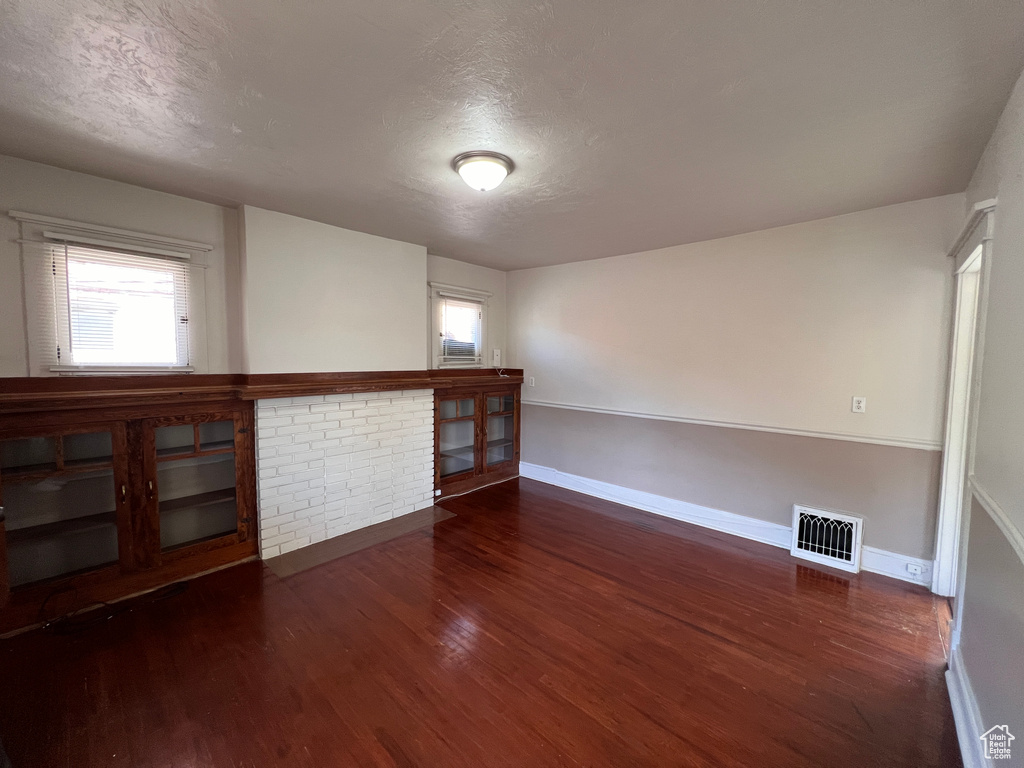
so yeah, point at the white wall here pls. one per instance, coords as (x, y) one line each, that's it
(321, 298)
(778, 328)
(452, 272)
(42, 189)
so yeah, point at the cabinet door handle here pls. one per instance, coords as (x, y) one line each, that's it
(124, 494)
(150, 486)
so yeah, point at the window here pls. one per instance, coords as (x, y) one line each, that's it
(104, 300)
(460, 331)
(121, 310)
(459, 323)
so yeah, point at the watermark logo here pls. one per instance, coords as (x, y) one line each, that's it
(997, 742)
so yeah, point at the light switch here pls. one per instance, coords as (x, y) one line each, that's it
(496, 357)
(860, 405)
(532, 381)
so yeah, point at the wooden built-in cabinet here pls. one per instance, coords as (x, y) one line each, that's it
(476, 435)
(114, 485)
(99, 504)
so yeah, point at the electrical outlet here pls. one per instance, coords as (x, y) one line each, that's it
(496, 357)
(533, 381)
(915, 569)
(860, 405)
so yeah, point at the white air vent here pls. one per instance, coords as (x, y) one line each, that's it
(827, 537)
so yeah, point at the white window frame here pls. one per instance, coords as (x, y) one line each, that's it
(47, 326)
(438, 292)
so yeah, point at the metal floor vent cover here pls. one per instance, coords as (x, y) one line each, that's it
(827, 537)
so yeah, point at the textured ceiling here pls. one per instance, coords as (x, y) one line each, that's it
(633, 125)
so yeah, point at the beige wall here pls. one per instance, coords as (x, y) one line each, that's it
(992, 632)
(442, 270)
(746, 472)
(322, 298)
(778, 328)
(999, 459)
(712, 373)
(992, 642)
(42, 189)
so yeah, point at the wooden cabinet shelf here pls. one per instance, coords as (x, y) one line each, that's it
(197, 500)
(61, 528)
(41, 472)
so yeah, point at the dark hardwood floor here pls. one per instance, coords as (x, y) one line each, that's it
(538, 627)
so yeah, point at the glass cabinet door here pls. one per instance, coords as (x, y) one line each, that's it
(456, 436)
(194, 483)
(501, 429)
(60, 495)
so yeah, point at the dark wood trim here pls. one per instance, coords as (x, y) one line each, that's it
(66, 393)
(261, 386)
(474, 482)
(122, 493)
(245, 474)
(5, 583)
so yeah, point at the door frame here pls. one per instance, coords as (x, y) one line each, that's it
(972, 259)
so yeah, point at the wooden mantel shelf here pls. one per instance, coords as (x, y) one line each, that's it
(34, 394)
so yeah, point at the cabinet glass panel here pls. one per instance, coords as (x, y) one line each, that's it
(196, 499)
(28, 455)
(449, 409)
(500, 403)
(216, 435)
(59, 521)
(175, 440)
(457, 450)
(88, 449)
(457, 409)
(500, 433)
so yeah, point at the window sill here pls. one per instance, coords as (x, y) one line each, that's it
(105, 370)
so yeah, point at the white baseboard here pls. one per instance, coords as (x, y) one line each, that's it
(965, 713)
(894, 565)
(875, 560)
(739, 525)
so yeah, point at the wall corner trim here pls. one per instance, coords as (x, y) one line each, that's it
(874, 560)
(966, 714)
(1009, 528)
(896, 442)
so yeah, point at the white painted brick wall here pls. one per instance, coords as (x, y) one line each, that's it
(330, 464)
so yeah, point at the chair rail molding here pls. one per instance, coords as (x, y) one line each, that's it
(896, 442)
(1009, 528)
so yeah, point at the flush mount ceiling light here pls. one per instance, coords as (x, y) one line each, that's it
(483, 170)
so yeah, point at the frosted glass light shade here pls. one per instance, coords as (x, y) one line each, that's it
(482, 170)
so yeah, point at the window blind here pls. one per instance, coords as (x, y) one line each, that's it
(119, 309)
(461, 330)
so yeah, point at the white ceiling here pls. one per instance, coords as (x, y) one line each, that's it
(634, 125)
